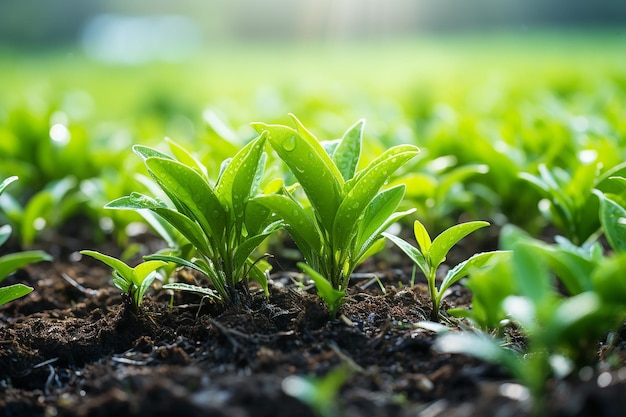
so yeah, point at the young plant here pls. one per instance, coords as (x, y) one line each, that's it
(568, 197)
(431, 253)
(46, 209)
(13, 261)
(320, 393)
(131, 281)
(561, 332)
(348, 211)
(219, 219)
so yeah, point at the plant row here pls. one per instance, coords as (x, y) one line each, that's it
(563, 297)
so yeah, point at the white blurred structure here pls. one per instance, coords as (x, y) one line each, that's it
(134, 40)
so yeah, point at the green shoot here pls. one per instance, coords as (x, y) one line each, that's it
(13, 261)
(431, 253)
(131, 281)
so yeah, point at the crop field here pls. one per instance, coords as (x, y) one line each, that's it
(428, 227)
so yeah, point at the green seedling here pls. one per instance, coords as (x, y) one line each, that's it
(47, 209)
(432, 253)
(220, 220)
(613, 217)
(561, 331)
(133, 282)
(13, 261)
(348, 211)
(568, 201)
(318, 393)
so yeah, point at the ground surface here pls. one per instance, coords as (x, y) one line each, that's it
(77, 350)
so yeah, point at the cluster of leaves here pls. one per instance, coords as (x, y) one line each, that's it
(13, 261)
(562, 327)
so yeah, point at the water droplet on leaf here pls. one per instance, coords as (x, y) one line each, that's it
(289, 144)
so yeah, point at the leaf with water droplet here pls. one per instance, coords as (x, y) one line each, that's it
(348, 152)
(364, 191)
(319, 177)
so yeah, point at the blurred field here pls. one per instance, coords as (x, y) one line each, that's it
(352, 79)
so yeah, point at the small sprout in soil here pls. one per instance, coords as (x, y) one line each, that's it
(131, 281)
(431, 254)
(318, 393)
(346, 211)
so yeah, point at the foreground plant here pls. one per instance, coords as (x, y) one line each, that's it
(347, 212)
(431, 253)
(133, 282)
(13, 261)
(561, 332)
(219, 219)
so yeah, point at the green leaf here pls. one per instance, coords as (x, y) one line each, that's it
(145, 152)
(422, 236)
(145, 284)
(613, 220)
(412, 252)
(348, 152)
(482, 347)
(12, 292)
(256, 216)
(450, 237)
(188, 228)
(177, 260)
(571, 311)
(125, 271)
(312, 166)
(378, 211)
(193, 191)
(364, 246)
(6, 183)
(333, 298)
(364, 190)
(13, 261)
(609, 281)
(530, 272)
(39, 206)
(184, 156)
(259, 272)
(296, 217)
(141, 271)
(247, 176)
(245, 249)
(121, 284)
(235, 182)
(572, 268)
(477, 261)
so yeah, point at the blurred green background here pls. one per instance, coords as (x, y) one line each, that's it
(503, 85)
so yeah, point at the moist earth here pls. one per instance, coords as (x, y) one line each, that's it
(74, 347)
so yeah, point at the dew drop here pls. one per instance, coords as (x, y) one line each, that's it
(310, 155)
(215, 214)
(289, 144)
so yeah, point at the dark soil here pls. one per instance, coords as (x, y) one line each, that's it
(78, 350)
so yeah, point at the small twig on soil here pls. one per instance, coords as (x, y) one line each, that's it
(79, 287)
(381, 334)
(345, 358)
(229, 333)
